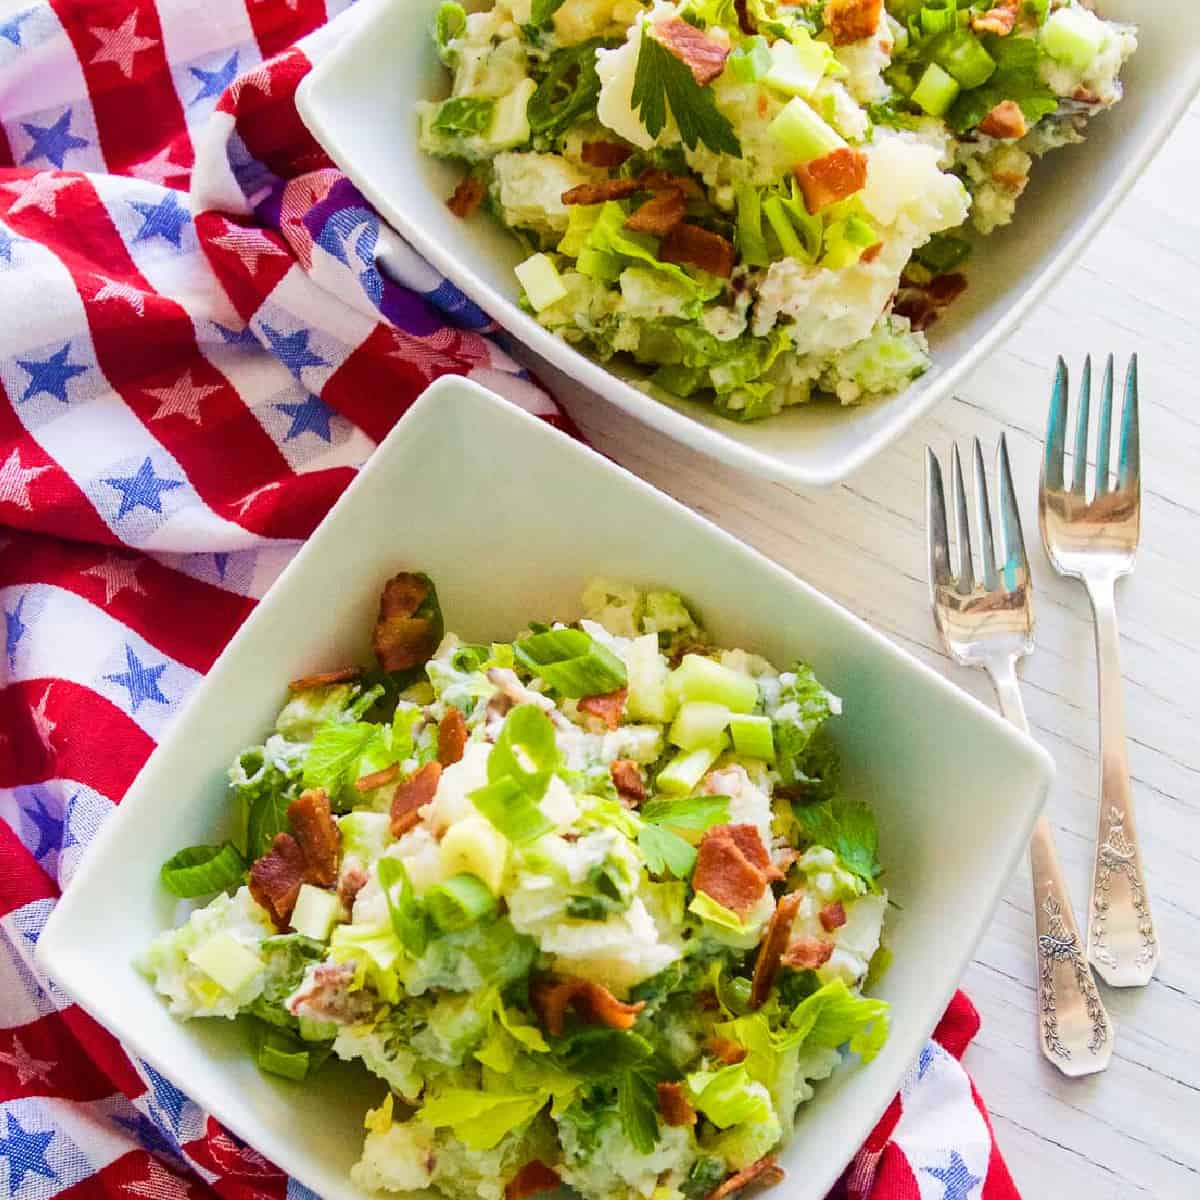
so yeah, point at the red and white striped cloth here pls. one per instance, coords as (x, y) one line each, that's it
(186, 384)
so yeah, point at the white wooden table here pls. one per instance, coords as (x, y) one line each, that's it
(1135, 1130)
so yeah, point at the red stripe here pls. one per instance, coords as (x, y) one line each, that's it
(279, 23)
(44, 1058)
(248, 279)
(22, 880)
(122, 1176)
(244, 1172)
(104, 1050)
(137, 112)
(6, 156)
(203, 617)
(958, 1026)
(895, 1180)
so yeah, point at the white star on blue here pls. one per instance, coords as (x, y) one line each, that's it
(142, 490)
(52, 142)
(168, 1098)
(11, 30)
(311, 416)
(50, 375)
(14, 631)
(954, 1177)
(140, 680)
(215, 82)
(26, 1153)
(292, 349)
(49, 827)
(166, 219)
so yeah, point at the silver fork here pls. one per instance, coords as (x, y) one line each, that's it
(989, 624)
(1095, 540)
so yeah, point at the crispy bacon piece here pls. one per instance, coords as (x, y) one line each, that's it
(593, 1003)
(807, 954)
(745, 20)
(275, 878)
(945, 289)
(770, 953)
(832, 177)
(660, 214)
(532, 1178)
(324, 678)
(674, 1106)
(604, 154)
(920, 303)
(327, 995)
(749, 842)
(627, 778)
(697, 247)
(1000, 19)
(366, 783)
(353, 881)
(656, 180)
(452, 737)
(598, 193)
(871, 253)
(725, 1050)
(852, 20)
(317, 835)
(405, 637)
(1006, 120)
(732, 867)
(764, 1173)
(467, 197)
(832, 916)
(413, 794)
(607, 707)
(703, 55)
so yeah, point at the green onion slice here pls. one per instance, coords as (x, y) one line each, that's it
(202, 870)
(461, 901)
(571, 662)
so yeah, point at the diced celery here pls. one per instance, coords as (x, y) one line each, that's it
(649, 698)
(751, 60)
(474, 846)
(699, 723)
(938, 16)
(510, 126)
(785, 231)
(316, 912)
(935, 92)
(600, 265)
(752, 736)
(1073, 37)
(683, 773)
(962, 55)
(459, 902)
(317, 1031)
(750, 240)
(539, 277)
(798, 66)
(700, 678)
(803, 134)
(280, 1054)
(226, 961)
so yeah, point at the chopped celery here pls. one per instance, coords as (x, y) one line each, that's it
(797, 67)
(649, 699)
(317, 1031)
(700, 678)
(961, 54)
(699, 723)
(279, 1053)
(510, 125)
(539, 277)
(316, 912)
(1073, 37)
(750, 240)
(789, 240)
(939, 16)
(935, 92)
(459, 902)
(751, 60)
(226, 961)
(683, 773)
(752, 736)
(799, 130)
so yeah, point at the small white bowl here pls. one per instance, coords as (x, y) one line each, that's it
(358, 103)
(511, 519)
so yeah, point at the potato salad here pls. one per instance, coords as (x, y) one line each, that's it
(752, 203)
(589, 906)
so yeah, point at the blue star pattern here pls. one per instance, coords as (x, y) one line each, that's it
(213, 83)
(166, 219)
(7, 241)
(47, 826)
(11, 30)
(292, 349)
(149, 1136)
(51, 376)
(52, 142)
(68, 834)
(925, 1060)
(169, 1101)
(221, 562)
(14, 631)
(297, 1191)
(236, 337)
(311, 416)
(26, 1153)
(955, 1178)
(29, 920)
(143, 489)
(140, 680)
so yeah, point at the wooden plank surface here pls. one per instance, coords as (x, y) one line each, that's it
(1135, 1130)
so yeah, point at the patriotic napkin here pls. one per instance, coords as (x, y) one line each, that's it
(204, 331)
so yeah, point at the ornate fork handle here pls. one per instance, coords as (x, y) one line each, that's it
(1122, 943)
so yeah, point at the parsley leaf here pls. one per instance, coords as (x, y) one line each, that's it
(1016, 77)
(665, 852)
(695, 812)
(661, 79)
(848, 828)
(335, 753)
(637, 1106)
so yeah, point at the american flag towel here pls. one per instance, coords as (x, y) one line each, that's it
(204, 330)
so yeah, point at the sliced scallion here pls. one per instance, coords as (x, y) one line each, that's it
(202, 870)
(460, 901)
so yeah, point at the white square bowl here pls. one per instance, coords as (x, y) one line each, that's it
(358, 103)
(511, 519)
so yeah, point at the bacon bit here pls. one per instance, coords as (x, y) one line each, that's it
(604, 154)
(627, 779)
(403, 639)
(467, 197)
(832, 177)
(452, 737)
(592, 1002)
(806, 954)
(1084, 96)
(324, 678)
(607, 707)
(707, 1001)
(785, 858)
(1000, 19)
(832, 916)
(377, 779)
(920, 303)
(660, 214)
(726, 1050)
(779, 930)
(698, 247)
(598, 193)
(945, 289)
(871, 253)
(852, 20)
(745, 20)
(353, 882)
(275, 878)
(1006, 120)
(317, 835)
(674, 1105)
(704, 56)
(764, 1173)
(413, 794)
(729, 866)
(326, 995)
(532, 1178)
(763, 104)
(656, 180)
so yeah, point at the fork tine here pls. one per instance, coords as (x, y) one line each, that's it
(935, 523)
(1083, 419)
(1129, 465)
(962, 528)
(1056, 430)
(1016, 561)
(987, 549)
(1105, 434)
